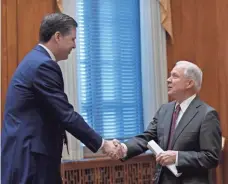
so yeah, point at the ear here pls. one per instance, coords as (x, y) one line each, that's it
(57, 36)
(190, 84)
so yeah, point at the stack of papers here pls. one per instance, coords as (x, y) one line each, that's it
(156, 149)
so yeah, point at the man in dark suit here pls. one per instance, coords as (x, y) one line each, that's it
(187, 129)
(37, 111)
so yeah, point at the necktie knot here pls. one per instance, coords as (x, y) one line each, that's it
(178, 108)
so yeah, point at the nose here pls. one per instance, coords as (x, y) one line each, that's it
(74, 46)
(169, 80)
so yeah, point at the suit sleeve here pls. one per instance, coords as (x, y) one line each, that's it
(210, 146)
(138, 144)
(48, 89)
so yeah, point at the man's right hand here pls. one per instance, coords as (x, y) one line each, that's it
(110, 149)
(115, 149)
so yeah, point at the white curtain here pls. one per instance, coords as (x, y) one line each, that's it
(154, 61)
(69, 69)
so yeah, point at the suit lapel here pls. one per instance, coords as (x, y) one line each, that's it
(187, 117)
(167, 123)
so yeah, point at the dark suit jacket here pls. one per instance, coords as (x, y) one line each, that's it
(197, 139)
(37, 113)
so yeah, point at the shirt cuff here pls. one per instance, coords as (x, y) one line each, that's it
(102, 144)
(176, 163)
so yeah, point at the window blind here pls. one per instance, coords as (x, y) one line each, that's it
(109, 66)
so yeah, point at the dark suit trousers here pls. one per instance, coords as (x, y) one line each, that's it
(46, 170)
(39, 169)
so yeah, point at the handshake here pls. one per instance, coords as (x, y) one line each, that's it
(114, 149)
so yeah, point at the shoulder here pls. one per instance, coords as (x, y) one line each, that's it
(164, 108)
(207, 110)
(37, 64)
(40, 58)
(207, 107)
(167, 106)
(36, 61)
(35, 58)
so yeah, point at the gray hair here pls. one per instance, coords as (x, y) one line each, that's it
(193, 72)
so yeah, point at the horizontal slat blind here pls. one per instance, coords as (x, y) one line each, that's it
(109, 66)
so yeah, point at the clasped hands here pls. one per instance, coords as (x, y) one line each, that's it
(114, 149)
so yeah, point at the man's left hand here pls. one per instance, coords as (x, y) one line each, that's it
(166, 158)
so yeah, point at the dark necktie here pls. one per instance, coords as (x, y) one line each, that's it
(173, 125)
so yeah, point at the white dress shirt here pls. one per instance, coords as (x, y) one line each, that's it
(184, 105)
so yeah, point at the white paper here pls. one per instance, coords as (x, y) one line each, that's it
(156, 149)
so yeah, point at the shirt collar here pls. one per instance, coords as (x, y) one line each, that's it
(48, 51)
(184, 105)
